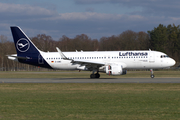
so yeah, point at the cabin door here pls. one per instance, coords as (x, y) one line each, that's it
(151, 57)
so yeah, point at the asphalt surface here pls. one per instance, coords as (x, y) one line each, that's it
(84, 80)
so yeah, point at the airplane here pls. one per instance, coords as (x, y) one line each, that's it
(109, 62)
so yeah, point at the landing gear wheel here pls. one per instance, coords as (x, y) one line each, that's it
(92, 76)
(152, 76)
(97, 75)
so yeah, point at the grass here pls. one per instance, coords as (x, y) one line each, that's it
(91, 101)
(71, 101)
(86, 74)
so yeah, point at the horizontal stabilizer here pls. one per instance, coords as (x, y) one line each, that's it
(17, 57)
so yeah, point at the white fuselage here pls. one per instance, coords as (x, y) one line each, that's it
(127, 59)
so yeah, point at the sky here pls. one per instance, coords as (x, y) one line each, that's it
(95, 18)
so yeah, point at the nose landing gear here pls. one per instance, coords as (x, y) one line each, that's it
(152, 75)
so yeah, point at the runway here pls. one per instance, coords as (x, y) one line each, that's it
(84, 80)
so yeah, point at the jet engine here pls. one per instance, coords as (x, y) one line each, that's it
(115, 70)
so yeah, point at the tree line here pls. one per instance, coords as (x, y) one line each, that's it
(162, 38)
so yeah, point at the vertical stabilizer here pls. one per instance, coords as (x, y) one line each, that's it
(27, 52)
(23, 44)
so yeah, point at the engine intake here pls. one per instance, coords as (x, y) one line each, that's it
(115, 70)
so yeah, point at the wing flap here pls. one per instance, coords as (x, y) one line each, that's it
(87, 62)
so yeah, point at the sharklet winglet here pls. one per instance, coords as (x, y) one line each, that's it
(61, 54)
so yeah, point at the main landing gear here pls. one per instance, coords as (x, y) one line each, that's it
(97, 75)
(152, 75)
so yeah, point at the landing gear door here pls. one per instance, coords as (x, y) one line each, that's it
(151, 57)
(40, 59)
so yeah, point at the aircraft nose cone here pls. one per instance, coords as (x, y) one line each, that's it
(173, 62)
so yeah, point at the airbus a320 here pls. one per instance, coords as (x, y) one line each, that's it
(109, 62)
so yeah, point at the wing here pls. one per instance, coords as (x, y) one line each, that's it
(88, 64)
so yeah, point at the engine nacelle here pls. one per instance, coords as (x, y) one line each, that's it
(115, 70)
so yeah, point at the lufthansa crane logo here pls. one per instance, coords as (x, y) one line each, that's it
(22, 45)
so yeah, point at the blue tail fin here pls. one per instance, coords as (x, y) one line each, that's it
(23, 44)
(27, 52)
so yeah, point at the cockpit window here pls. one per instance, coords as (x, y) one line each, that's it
(164, 56)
